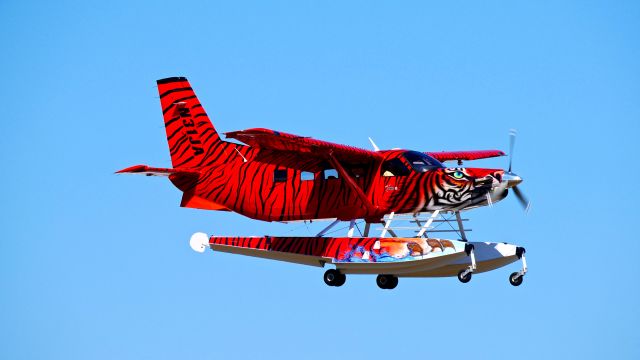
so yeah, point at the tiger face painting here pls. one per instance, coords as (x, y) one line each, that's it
(457, 187)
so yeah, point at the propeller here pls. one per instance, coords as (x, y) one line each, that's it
(512, 143)
(526, 204)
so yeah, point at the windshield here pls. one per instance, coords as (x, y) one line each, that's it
(422, 162)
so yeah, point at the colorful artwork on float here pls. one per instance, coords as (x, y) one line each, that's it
(346, 249)
(393, 250)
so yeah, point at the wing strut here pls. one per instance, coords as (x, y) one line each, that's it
(351, 183)
(324, 231)
(367, 226)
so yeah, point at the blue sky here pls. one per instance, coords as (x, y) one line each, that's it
(98, 266)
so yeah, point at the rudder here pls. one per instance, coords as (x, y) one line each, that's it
(191, 136)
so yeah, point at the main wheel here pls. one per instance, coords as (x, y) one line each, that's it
(393, 283)
(386, 281)
(466, 278)
(515, 279)
(332, 277)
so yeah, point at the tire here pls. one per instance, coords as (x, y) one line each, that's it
(331, 277)
(464, 279)
(515, 279)
(393, 283)
(342, 278)
(386, 281)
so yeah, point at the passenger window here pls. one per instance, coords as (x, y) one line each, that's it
(357, 172)
(279, 176)
(330, 174)
(394, 167)
(307, 176)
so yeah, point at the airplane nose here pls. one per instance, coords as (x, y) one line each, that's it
(511, 179)
(486, 178)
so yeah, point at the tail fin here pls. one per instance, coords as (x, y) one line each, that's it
(191, 135)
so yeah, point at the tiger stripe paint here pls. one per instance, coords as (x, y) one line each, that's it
(241, 178)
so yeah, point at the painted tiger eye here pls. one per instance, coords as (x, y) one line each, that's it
(458, 175)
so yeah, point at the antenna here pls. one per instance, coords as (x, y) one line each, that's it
(375, 147)
(244, 159)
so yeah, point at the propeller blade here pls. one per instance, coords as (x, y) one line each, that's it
(512, 143)
(521, 198)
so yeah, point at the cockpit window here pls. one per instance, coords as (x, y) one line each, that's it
(422, 162)
(394, 167)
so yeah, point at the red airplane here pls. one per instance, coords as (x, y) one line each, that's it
(283, 177)
(276, 176)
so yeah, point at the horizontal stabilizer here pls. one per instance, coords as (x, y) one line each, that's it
(153, 171)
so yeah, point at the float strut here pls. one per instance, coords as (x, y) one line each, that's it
(520, 254)
(468, 248)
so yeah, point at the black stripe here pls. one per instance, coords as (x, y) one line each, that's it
(171, 121)
(176, 147)
(206, 140)
(171, 79)
(184, 162)
(187, 148)
(175, 90)
(174, 133)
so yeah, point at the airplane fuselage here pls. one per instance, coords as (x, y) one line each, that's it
(269, 191)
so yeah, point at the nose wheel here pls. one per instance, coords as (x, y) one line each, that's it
(333, 277)
(516, 278)
(465, 275)
(387, 282)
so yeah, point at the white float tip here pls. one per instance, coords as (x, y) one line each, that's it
(199, 242)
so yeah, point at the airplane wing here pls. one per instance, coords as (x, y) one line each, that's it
(306, 146)
(308, 154)
(465, 155)
(280, 141)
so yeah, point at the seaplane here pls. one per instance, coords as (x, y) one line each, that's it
(271, 176)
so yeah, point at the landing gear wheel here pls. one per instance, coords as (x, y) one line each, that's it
(387, 281)
(333, 277)
(515, 279)
(393, 284)
(464, 278)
